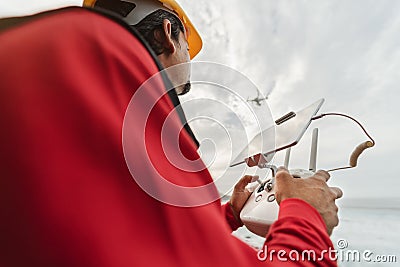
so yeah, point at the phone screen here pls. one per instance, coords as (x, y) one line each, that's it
(287, 132)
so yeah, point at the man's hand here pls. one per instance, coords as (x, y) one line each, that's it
(314, 190)
(241, 194)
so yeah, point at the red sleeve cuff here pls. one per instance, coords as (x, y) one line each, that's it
(230, 218)
(294, 207)
(300, 227)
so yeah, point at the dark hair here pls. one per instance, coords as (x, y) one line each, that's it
(153, 22)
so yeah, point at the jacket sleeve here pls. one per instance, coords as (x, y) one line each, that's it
(233, 222)
(298, 237)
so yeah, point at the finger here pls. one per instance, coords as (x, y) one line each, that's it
(337, 191)
(323, 175)
(281, 168)
(255, 178)
(250, 162)
(283, 173)
(332, 225)
(259, 159)
(244, 181)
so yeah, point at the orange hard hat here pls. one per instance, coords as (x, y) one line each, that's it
(141, 8)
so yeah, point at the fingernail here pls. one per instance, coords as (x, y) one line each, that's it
(281, 168)
(255, 178)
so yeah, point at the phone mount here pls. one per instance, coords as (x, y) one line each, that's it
(261, 209)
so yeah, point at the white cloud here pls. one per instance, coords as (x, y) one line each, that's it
(344, 51)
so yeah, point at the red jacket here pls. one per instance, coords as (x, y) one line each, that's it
(67, 197)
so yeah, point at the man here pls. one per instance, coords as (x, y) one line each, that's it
(168, 37)
(67, 198)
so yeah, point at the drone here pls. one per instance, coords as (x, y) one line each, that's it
(257, 100)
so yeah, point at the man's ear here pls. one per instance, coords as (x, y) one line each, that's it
(169, 43)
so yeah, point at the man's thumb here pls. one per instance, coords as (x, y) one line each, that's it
(282, 181)
(282, 174)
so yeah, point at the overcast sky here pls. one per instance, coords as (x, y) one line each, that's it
(299, 51)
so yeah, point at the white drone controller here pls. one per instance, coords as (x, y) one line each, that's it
(261, 209)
